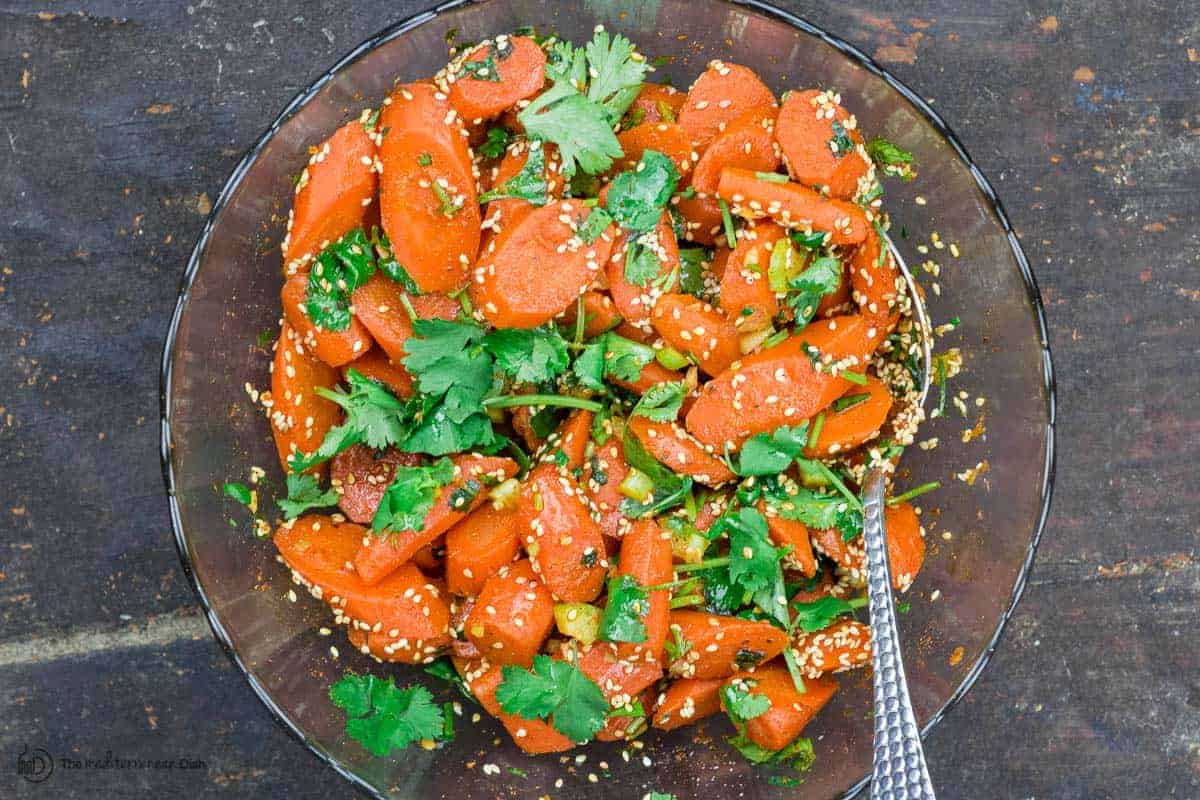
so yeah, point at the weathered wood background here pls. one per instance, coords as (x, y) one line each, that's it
(119, 121)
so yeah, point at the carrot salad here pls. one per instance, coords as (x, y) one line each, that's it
(577, 379)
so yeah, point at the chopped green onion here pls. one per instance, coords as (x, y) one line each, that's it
(771, 177)
(558, 400)
(814, 432)
(727, 222)
(854, 377)
(850, 401)
(671, 358)
(687, 600)
(911, 493)
(774, 339)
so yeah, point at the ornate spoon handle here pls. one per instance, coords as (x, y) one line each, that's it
(899, 761)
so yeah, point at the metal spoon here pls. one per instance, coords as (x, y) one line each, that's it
(899, 771)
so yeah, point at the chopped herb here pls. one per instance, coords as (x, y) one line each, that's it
(536, 355)
(389, 266)
(304, 492)
(425, 159)
(740, 704)
(623, 617)
(772, 453)
(754, 563)
(557, 690)
(820, 511)
(442, 668)
(891, 160)
(641, 264)
(840, 143)
(597, 222)
(239, 492)
(265, 336)
(661, 402)
(850, 401)
(823, 276)
(374, 416)
(496, 142)
(727, 223)
(371, 121)
(745, 658)
(915, 492)
(798, 755)
(483, 69)
(771, 177)
(337, 271)
(449, 206)
(820, 614)
(410, 496)
(814, 240)
(529, 184)
(383, 718)
(692, 262)
(635, 117)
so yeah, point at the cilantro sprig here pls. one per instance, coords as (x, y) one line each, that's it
(820, 614)
(304, 492)
(374, 417)
(554, 690)
(624, 614)
(383, 718)
(336, 272)
(410, 496)
(661, 402)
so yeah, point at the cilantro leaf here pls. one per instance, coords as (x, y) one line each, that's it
(641, 263)
(740, 704)
(388, 264)
(410, 496)
(840, 143)
(304, 492)
(336, 272)
(754, 563)
(578, 126)
(693, 261)
(823, 276)
(529, 184)
(483, 69)
(382, 718)
(556, 689)
(820, 511)
(637, 197)
(597, 222)
(820, 614)
(588, 368)
(661, 402)
(442, 668)
(798, 755)
(616, 75)
(624, 358)
(239, 492)
(374, 416)
(535, 355)
(772, 453)
(623, 617)
(496, 143)
(891, 160)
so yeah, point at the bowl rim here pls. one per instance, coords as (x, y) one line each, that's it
(407, 24)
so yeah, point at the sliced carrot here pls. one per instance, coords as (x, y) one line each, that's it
(522, 422)
(790, 710)
(665, 137)
(646, 557)
(702, 216)
(720, 261)
(332, 195)
(381, 369)
(792, 205)
(435, 305)
(380, 554)
(602, 477)
(657, 102)
(507, 212)
(335, 348)
(431, 559)
(379, 306)
(844, 645)
(721, 94)
(849, 556)
(621, 679)
(521, 73)
(563, 541)
(721, 646)
(405, 606)
(687, 700)
(876, 283)
(748, 142)
(523, 280)
(533, 736)
(816, 154)
(669, 443)
(300, 417)
(694, 327)
(599, 314)
(793, 534)
(362, 478)
(636, 302)
(479, 546)
(906, 547)
(513, 615)
(746, 296)
(571, 439)
(779, 385)
(428, 201)
(845, 430)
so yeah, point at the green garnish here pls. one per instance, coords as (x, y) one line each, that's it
(410, 496)
(496, 142)
(772, 453)
(239, 492)
(383, 718)
(914, 492)
(529, 184)
(840, 143)
(740, 704)
(823, 276)
(891, 160)
(623, 617)
(536, 355)
(822, 613)
(557, 690)
(850, 401)
(304, 492)
(727, 223)
(661, 402)
(336, 272)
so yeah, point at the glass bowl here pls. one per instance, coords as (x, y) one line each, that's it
(981, 537)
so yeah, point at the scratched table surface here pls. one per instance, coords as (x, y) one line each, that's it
(119, 122)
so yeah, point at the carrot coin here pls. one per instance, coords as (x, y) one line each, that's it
(512, 617)
(563, 541)
(479, 546)
(694, 327)
(335, 348)
(844, 645)
(657, 103)
(746, 296)
(793, 535)
(381, 369)
(300, 417)
(876, 282)
(716, 646)
(687, 700)
(792, 205)
(790, 709)
(846, 429)
(646, 557)
(721, 94)
(480, 92)
(669, 443)
(747, 142)
(822, 144)
(667, 138)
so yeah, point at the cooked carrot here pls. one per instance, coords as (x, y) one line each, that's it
(378, 305)
(602, 477)
(746, 296)
(427, 190)
(381, 369)
(479, 546)
(665, 137)
(702, 216)
(523, 280)
(658, 103)
(646, 557)
(721, 94)
(816, 153)
(563, 541)
(849, 556)
(793, 534)
(362, 478)
(435, 305)
(599, 314)
(720, 260)
(621, 679)
(906, 547)
(507, 212)
(521, 70)
(790, 710)
(844, 645)
(431, 559)
(332, 195)
(792, 205)
(672, 445)
(694, 327)
(779, 385)
(847, 429)
(335, 348)
(512, 616)
(380, 554)
(404, 606)
(533, 736)
(571, 439)
(300, 417)
(748, 142)
(636, 302)
(838, 301)
(522, 422)
(721, 646)
(687, 700)
(875, 283)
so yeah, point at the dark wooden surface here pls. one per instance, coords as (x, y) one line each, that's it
(118, 124)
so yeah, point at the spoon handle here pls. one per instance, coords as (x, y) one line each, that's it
(899, 760)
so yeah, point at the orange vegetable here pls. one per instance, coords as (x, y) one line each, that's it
(906, 547)
(636, 302)
(381, 369)
(621, 679)
(571, 439)
(792, 205)
(721, 94)
(646, 557)
(512, 616)
(380, 554)
(602, 476)
(563, 541)
(335, 348)
(844, 645)
(658, 103)
(665, 137)
(599, 314)
(675, 447)
(427, 194)
(522, 73)
(479, 546)
(779, 385)
(300, 417)
(808, 140)
(332, 196)
(362, 478)
(687, 700)
(747, 142)
(739, 644)
(845, 430)
(876, 286)
(523, 280)
(790, 533)
(507, 212)
(378, 306)
(693, 326)
(746, 296)
(533, 736)
(790, 710)
(702, 216)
